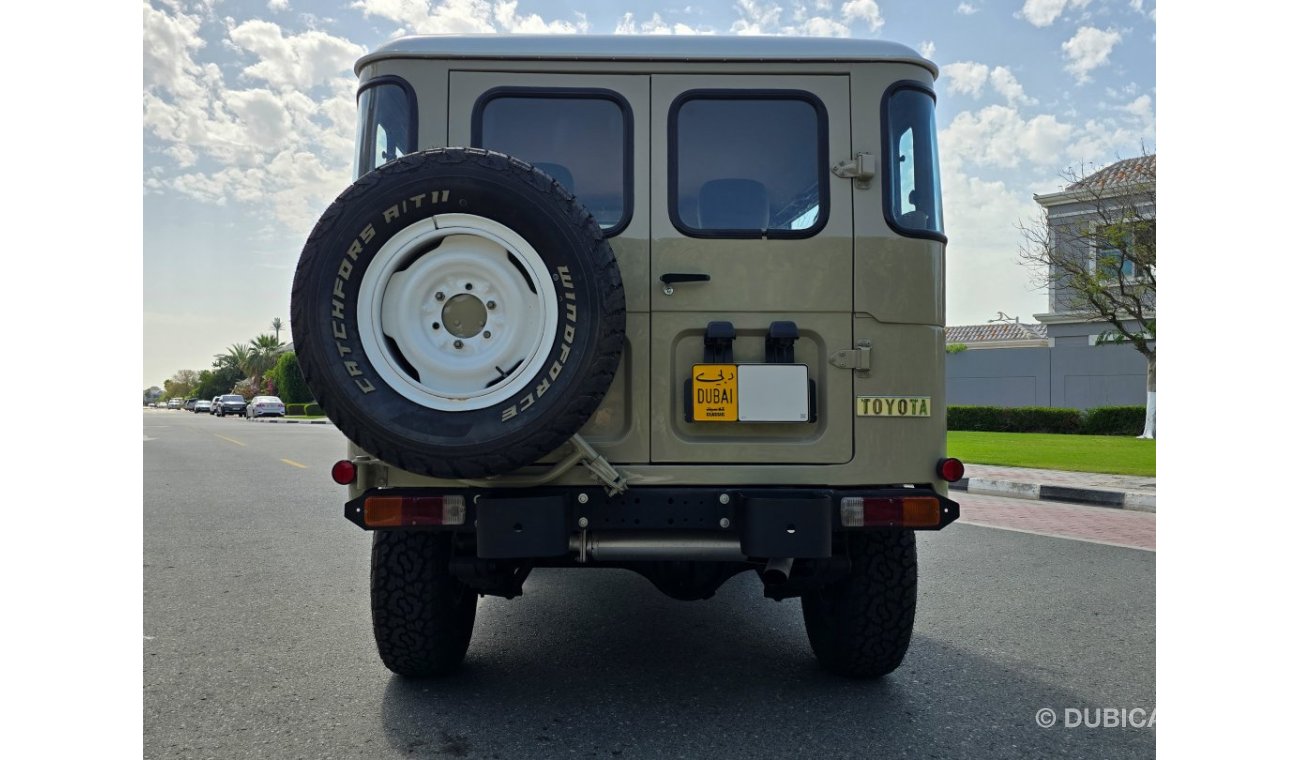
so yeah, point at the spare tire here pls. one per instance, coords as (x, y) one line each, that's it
(457, 313)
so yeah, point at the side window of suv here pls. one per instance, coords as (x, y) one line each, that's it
(581, 137)
(386, 123)
(747, 164)
(911, 162)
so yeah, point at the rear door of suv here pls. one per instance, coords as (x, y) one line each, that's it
(749, 227)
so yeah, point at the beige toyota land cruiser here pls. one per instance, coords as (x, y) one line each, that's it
(673, 305)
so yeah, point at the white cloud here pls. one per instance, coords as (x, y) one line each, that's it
(1141, 109)
(1006, 85)
(301, 61)
(756, 17)
(966, 77)
(282, 145)
(656, 25)
(999, 136)
(1088, 49)
(969, 78)
(966, 9)
(1042, 13)
(863, 10)
(926, 48)
(169, 42)
(466, 17)
(278, 5)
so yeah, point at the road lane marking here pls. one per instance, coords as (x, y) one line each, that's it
(232, 440)
(964, 521)
(295, 464)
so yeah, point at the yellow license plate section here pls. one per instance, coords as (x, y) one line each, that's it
(893, 406)
(714, 393)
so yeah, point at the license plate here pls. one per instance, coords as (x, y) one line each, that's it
(893, 406)
(714, 393)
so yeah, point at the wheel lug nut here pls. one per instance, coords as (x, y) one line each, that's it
(469, 286)
(459, 344)
(491, 304)
(487, 333)
(436, 325)
(438, 296)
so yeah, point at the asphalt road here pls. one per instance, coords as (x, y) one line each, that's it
(258, 643)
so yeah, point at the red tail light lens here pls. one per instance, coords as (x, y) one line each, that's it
(344, 472)
(951, 470)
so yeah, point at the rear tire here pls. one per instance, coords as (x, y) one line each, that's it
(423, 616)
(861, 625)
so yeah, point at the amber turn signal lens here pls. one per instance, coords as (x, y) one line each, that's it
(383, 511)
(920, 512)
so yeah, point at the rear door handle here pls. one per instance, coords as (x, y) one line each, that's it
(673, 277)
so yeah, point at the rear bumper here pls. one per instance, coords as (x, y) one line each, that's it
(650, 523)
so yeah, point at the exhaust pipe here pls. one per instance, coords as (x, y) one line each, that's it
(633, 546)
(777, 571)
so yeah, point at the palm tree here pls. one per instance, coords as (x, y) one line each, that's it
(236, 356)
(276, 324)
(263, 354)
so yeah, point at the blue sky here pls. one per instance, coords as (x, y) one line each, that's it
(249, 115)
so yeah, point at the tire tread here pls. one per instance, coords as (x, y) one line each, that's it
(861, 625)
(423, 616)
(587, 391)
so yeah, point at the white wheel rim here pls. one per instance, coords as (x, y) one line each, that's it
(457, 369)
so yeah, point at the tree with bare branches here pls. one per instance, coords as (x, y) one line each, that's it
(1095, 253)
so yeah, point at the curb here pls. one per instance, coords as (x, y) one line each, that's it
(1097, 497)
(282, 421)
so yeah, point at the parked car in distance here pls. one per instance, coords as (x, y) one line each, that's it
(265, 406)
(174, 403)
(213, 404)
(203, 406)
(190, 403)
(231, 403)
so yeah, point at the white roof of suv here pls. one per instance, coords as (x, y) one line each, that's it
(647, 47)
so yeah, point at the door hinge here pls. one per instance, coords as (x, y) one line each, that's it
(858, 359)
(861, 168)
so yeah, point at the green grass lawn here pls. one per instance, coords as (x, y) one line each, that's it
(1117, 455)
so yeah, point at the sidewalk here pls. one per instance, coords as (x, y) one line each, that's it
(288, 421)
(1095, 489)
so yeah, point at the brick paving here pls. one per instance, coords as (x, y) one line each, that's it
(1119, 527)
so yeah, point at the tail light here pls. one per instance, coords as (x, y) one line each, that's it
(892, 512)
(399, 511)
(951, 470)
(344, 472)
